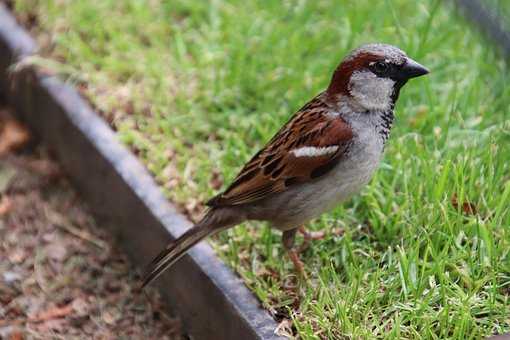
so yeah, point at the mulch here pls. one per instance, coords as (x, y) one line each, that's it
(61, 275)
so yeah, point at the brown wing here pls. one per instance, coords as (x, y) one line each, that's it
(277, 167)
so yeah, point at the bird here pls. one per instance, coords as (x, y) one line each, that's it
(325, 153)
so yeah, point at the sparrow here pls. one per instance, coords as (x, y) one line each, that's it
(324, 154)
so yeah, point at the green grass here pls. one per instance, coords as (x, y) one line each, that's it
(502, 8)
(197, 87)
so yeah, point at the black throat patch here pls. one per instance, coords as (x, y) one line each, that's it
(385, 124)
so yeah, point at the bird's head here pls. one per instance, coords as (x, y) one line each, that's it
(372, 76)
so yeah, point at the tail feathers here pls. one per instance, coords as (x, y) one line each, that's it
(209, 225)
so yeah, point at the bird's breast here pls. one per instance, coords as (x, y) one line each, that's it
(351, 174)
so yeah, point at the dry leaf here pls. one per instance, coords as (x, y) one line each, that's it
(216, 181)
(111, 316)
(284, 328)
(13, 136)
(56, 251)
(45, 168)
(51, 325)
(53, 313)
(16, 335)
(17, 256)
(468, 208)
(5, 205)
(80, 306)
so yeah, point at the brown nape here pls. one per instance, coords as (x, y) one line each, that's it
(340, 81)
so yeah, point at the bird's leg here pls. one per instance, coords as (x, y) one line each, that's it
(288, 240)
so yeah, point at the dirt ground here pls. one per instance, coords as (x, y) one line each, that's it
(61, 276)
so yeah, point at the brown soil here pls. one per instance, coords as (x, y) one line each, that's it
(61, 276)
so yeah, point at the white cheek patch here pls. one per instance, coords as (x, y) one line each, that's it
(371, 91)
(311, 151)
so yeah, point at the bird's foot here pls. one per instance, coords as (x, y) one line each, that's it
(314, 235)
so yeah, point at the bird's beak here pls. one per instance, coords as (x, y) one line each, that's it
(412, 69)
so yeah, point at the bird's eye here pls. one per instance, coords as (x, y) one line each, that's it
(380, 67)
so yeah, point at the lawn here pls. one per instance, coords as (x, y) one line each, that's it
(196, 87)
(502, 8)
